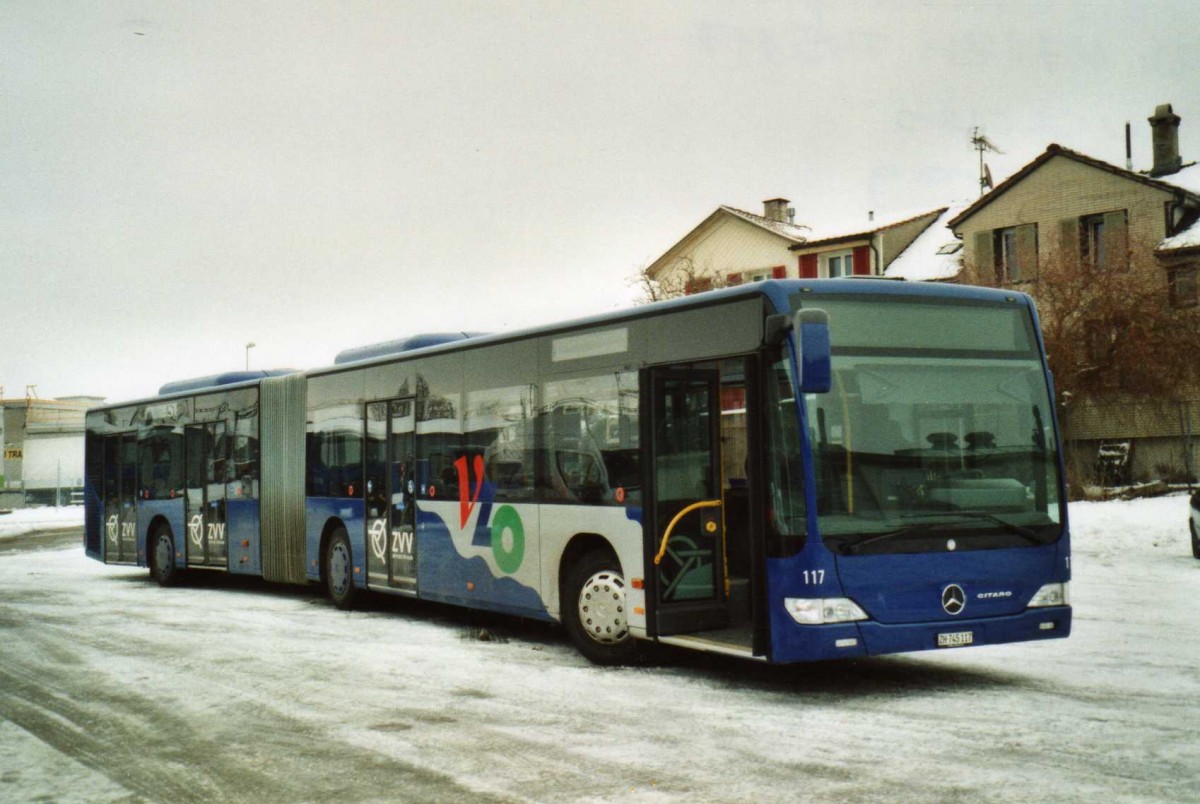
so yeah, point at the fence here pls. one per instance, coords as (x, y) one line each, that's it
(1122, 442)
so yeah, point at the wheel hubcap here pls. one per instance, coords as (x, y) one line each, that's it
(339, 568)
(162, 555)
(602, 608)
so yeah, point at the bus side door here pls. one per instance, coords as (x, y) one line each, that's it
(204, 481)
(391, 515)
(120, 498)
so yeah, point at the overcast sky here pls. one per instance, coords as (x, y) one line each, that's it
(178, 179)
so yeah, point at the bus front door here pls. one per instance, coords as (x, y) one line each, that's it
(391, 515)
(683, 513)
(204, 481)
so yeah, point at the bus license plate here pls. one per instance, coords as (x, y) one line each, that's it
(956, 639)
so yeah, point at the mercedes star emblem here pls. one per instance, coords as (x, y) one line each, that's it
(953, 599)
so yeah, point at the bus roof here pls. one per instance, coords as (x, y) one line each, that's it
(775, 291)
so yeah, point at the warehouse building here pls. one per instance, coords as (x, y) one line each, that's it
(43, 450)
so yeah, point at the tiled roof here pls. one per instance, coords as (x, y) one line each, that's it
(792, 231)
(834, 233)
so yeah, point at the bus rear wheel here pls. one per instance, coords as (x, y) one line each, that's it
(595, 611)
(339, 570)
(162, 557)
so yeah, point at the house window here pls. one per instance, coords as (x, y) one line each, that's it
(1096, 341)
(1182, 286)
(839, 264)
(1014, 253)
(1008, 263)
(1103, 240)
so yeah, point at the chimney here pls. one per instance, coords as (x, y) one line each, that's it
(776, 209)
(1164, 128)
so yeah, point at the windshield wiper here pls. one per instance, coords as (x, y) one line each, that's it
(852, 548)
(1012, 527)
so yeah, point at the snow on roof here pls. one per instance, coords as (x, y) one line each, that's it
(792, 231)
(935, 254)
(1187, 178)
(1188, 238)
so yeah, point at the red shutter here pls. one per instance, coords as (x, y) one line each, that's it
(733, 279)
(808, 266)
(862, 261)
(779, 272)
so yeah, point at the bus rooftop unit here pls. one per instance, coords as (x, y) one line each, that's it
(784, 471)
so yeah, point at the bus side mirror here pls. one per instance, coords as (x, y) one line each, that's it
(811, 330)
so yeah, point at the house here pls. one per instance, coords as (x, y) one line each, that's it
(1067, 207)
(1065, 203)
(862, 249)
(731, 246)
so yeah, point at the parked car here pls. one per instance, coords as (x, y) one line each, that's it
(1194, 523)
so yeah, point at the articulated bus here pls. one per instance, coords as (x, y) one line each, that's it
(784, 471)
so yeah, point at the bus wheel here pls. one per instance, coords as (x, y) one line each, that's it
(1195, 539)
(162, 558)
(339, 570)
(595, 610)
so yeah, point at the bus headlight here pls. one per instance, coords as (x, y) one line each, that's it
(819, 611)
(1052, 594)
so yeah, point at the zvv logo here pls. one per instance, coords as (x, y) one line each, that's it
(378, 536)
(110, 529)
(196, 530)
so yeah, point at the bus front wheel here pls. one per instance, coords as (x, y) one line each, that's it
(339, 570)
(162, 558)
(595, 610)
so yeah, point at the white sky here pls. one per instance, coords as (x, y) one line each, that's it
(179, 179)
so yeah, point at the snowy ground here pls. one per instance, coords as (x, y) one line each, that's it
(112, 689)
(29, 520)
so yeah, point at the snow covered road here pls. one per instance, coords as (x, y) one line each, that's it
(112, 689)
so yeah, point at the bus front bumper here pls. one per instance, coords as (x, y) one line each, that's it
(801, 643)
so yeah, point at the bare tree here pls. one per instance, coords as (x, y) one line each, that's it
(681, 278)
(1111, 332)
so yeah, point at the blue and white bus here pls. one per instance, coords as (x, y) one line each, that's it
(784, 471)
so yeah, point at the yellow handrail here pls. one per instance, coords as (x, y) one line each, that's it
(662, 550)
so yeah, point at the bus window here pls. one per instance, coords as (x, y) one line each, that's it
(335, 452)
(439, 432)
(500, 422)
(590, 431)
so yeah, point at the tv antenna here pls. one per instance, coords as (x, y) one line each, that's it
(982, 144)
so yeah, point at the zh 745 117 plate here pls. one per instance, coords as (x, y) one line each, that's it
(955, 639)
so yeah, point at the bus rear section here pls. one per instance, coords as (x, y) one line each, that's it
(934, 514)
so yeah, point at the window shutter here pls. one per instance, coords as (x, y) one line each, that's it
(733, 279)
(985, 258)
(1068, 241)
(862, 261)
(779, 272)
(1116, 239)
(808, 266)
(1027, 254)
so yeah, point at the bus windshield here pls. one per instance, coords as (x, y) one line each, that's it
(938, 426)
